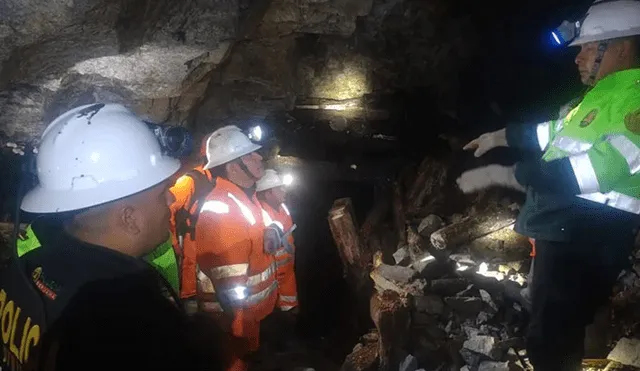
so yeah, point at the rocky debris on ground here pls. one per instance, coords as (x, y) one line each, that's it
(627, 352)
(462, 275)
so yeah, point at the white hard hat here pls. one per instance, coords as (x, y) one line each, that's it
(271, 179)
(95, 154)
(610, 20)
(227, 144)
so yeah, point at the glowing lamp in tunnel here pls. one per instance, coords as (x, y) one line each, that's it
(556, 38)
(287, 179)
(241, 292)
(256, 133)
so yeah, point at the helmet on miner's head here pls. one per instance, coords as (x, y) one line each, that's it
(271, 179)
(96, 154)
(227, 144)
(607, 20)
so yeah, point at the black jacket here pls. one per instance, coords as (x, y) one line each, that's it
(106, 310)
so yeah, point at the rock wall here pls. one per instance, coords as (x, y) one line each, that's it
(150, 54)
(207, 63)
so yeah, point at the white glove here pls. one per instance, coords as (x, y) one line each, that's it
(484, 177)
(486, 142)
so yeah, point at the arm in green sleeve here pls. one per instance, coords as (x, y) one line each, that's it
(602, 167)
(597, 170)
(530, 137)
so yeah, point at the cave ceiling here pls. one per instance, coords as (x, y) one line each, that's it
(311, 70)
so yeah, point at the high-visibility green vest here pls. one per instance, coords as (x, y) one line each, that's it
(601, 138)
(163, 258)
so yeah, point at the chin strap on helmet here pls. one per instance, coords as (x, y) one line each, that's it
(246, 170)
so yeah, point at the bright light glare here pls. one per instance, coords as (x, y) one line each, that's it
(556, 38)
(256, 133)
(427, 258)
(287, 179)
(240, 292)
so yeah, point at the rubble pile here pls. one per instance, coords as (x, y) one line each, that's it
(445, 283)
(439, 281)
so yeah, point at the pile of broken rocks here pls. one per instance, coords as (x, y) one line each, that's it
(460, 316)
(459, 308)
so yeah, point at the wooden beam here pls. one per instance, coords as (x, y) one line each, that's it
(344, 229)
(431, 176)
(471, 228)
(392, 317)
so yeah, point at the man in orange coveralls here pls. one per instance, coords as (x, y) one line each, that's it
(235, 248)
(189, 192)
(272, 193)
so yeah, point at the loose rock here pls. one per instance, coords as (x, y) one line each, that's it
(481, 344)
(429, 225)
(396, 273)
(430, 304)
(472, 359)
(448, 286)
(465, 306)
(627, 352)
(493, 366)
(401, 256)
(429, 267)
(409, 364)
(483, 317)
(486, 297)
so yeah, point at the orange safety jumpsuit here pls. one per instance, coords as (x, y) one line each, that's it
(183, 192)
(287, 288)
(230, 244)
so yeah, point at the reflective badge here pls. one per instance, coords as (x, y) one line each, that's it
(588, 119)
(47, 287)
(632, 122)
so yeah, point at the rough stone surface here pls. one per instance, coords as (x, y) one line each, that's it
(472, 359)
(429, 225)
(410, 363)
(396, 273)
(486, 297)
(429, 267)
(481, 344)
(116, 47)
(430, 304)
(447, 286)
(493, 366)
(401, 256)
(465, 306)
(627, 352)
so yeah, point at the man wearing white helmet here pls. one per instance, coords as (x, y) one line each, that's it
(583, 188)
(272, 195)
(235, 249)
(87, 299)
(271, 189)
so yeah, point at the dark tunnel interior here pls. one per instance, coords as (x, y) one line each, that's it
(518, 76)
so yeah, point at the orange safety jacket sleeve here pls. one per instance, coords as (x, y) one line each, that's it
(287, 289)
(182, 191)
(223, 255)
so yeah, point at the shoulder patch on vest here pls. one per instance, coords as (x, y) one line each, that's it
(632, 122)
(48, 288)
(588, 119)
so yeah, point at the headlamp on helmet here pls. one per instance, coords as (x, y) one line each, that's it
(175, 141)
(565, 33)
